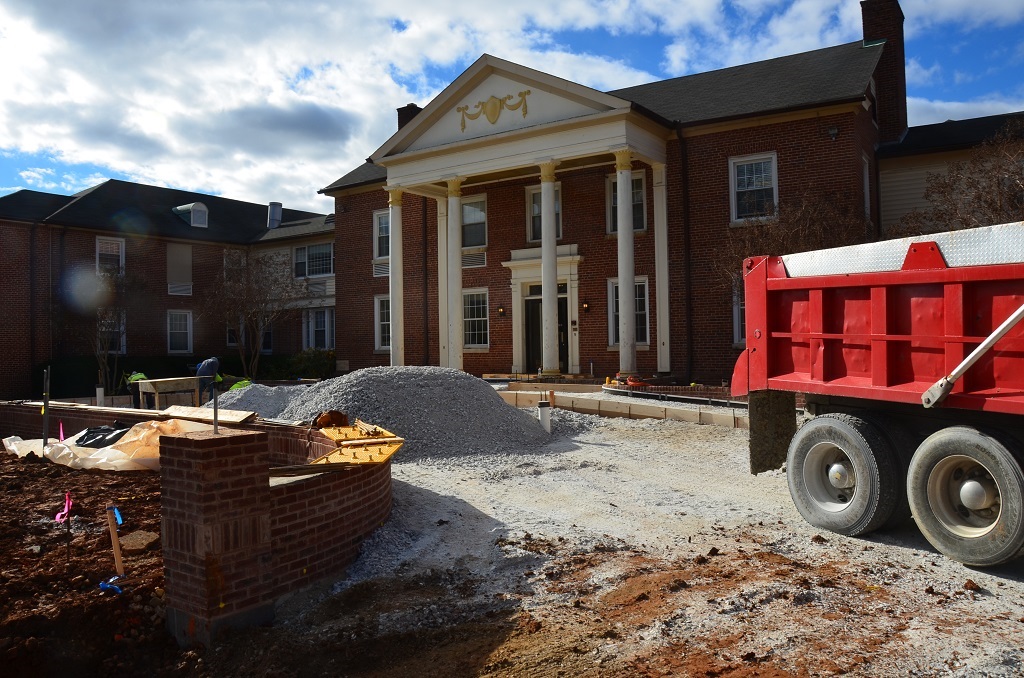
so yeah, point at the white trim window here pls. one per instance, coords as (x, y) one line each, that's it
(475, 318)
(474, 222)
(382, 243)
(109, 255)
(643, 316)
(382, 322)
(318, 328)
(739, 316)
(314, 260)
(533, 208)
(639, 193)
(110, 324)
(179, 331)
(381, 235)
(267, 347)
(753, 186)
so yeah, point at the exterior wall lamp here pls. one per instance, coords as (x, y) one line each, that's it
(586, 307)
(501, 311)
(833, 132)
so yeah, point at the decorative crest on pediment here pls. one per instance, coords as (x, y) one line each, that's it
(492, 108)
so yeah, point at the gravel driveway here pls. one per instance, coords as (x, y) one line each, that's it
(621, 547)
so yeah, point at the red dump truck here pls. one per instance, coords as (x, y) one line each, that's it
(909, 356)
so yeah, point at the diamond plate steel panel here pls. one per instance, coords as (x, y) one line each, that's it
(1001, 244)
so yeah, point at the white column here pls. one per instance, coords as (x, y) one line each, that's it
(548, 270)
(396, 288)
(456, 338)
(661, 292)
(442, 282)
(627, 273)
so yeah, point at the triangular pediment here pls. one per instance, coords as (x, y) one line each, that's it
(494, 97)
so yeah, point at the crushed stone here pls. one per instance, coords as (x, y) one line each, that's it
(439, 411)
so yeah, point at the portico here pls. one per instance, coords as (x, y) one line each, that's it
(500, 122)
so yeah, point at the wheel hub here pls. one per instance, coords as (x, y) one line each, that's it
(840, 477)
(978, 494)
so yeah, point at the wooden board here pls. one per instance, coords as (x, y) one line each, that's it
(206, 414)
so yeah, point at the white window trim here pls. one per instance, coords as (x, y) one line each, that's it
(377, 258)
(611, 180)
(307, 329)
(122, 349)
(377, 345)
(265, 351)
(120, 244)
(481, 197)
(478, 348)
(742, 160)
(534, 190)
(612, 284)
(739, 309)
(189, 316)
(305, 248)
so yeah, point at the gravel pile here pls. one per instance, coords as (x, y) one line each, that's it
(439, 411)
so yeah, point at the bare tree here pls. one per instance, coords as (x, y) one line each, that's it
(808, 222)
(117, 296)
(257, 289)
(985, 189)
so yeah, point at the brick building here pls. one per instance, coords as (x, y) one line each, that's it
(494, 230)
(168, 249)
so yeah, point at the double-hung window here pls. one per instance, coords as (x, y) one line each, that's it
(381, 243)
(109, 255)
(637, 192)
(739, 315)
(382, 322)
(753, 186)
(266, 346)
(474, 313)
(111, 330)
(642, 312)
(533, 211)
(314, 260)
(179, 331)
(318, 328)
(474, 222)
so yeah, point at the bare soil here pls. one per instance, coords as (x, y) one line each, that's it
(753, 597)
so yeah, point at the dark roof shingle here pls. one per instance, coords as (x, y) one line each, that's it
(26, 205)
(128, 208)
(817, 78)
(951, 135)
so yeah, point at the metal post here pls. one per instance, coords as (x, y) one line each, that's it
(46, 406)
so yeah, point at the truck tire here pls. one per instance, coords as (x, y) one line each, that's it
(843, 475)
(903, 444)
(966, 491)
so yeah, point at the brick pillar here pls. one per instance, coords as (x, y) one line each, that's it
(215, 529)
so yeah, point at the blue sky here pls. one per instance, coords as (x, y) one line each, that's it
(269, 102)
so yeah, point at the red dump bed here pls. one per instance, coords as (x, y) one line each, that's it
(886, 320)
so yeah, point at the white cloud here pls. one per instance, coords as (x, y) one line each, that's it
(919, 75)
(926, 111)
(271, 101)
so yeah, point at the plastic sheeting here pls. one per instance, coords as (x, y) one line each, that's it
(137, 450)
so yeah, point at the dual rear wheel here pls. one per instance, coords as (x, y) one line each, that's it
(964, 487)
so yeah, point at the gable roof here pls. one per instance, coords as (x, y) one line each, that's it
(817, 78)
(951, 135)
(26, 205)
(821, 77)
(367, 173)
(126, 208)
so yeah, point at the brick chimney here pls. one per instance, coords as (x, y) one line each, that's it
(406, 114)
(883, 20)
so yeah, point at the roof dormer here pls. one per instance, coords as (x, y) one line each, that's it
(195, 214)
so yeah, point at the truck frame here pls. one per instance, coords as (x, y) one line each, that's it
(908, 355)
